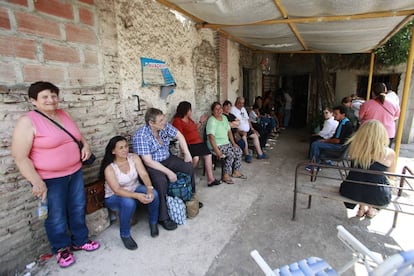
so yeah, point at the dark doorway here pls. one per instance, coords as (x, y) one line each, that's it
(298, 87)
(246, 86)
(391, 80)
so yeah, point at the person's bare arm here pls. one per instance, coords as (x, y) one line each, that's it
(184, 147)
(142, 172)
(113, 183)
(22, 143)
(216, 150)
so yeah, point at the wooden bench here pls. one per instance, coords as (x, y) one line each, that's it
(326, 184)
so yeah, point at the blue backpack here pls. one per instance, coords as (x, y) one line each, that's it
(181, 188)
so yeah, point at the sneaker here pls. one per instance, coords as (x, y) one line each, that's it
(310, 168)
(129, 243)
(168, 224)
(248, 158)
(64, 257)
(88, 246)
(262, 156)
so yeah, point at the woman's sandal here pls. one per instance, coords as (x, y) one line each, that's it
(241, 176)
(214, 182)
(228, 180)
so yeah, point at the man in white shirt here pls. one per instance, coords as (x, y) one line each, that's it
(246, 130)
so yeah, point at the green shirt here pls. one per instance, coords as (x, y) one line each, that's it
(219, 129)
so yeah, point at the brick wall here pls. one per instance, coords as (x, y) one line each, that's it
(91, 50)
(222, 61)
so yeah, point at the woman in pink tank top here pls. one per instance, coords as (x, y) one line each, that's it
(51, 161)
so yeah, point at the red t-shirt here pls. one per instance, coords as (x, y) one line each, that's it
(189, 130)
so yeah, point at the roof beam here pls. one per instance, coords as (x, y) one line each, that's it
(317, 19)
(394, 31)
(291, 25)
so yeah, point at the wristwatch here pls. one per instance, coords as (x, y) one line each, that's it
(150, 187)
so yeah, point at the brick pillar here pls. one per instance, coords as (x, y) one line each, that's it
(223, 64)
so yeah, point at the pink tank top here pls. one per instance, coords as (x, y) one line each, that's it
(128, 181)
(54, 153)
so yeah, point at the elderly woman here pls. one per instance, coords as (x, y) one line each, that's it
(122, 172)
(185, 124)
(368, 150)
(220, 140)
(52, 162)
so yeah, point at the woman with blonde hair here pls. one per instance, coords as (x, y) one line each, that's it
(369, 150)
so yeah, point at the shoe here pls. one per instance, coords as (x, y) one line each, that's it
(215, 182)
(88, 246)
(168, 224)
(248, 158)
(310, 168)
(228, 180)
(154, 230)
(262, 156)
(200, 205)
(129, 243)
(64, 257)
(328, 162)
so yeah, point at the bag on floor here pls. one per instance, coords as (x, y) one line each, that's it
(192, 206)
(181, 188)
(176, 210)
(95, 196)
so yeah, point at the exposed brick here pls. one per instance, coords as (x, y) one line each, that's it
(55, 7)
(91, 57)
(4, 19)
(86, 16)
(32, 24)
(84, 76)
(18, 2)
(17, 47)
(78, 34)
(36, 72)
(91, 2)
(60, 53)
(7, 72)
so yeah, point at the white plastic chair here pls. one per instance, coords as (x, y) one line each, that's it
(401, 264)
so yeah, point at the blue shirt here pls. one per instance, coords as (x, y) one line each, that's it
(145, 143)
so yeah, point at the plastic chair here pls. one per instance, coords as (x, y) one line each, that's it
(399, 264)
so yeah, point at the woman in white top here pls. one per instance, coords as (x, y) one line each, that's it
(328, 129)
(123, 173)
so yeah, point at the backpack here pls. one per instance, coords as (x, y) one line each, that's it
(181, 188)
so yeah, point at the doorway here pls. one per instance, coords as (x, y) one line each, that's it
(298, 87)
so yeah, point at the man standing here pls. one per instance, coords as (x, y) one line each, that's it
(343, 131)
(246, 130)
(152, 142)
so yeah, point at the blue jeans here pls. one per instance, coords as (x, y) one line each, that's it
(315, 151)
(126, 207)
(66, 204)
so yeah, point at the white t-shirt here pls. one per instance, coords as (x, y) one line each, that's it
(242, 115)
(288, 101)
(393, 97)
(329, 127)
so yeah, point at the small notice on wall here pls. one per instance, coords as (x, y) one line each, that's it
(156, 72)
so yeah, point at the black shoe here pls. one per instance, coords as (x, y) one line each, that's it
(129, 243)
(168, 224)
(154, 230)
(200, 205)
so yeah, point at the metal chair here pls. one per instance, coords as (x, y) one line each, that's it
(399, 264)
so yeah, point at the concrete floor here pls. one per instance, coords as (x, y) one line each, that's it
(251, 214)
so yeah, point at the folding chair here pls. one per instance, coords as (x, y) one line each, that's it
(399, 264)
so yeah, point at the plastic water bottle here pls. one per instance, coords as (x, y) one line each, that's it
(42, 208)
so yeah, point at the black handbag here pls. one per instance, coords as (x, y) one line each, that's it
(91, 158)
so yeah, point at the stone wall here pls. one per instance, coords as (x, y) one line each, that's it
(91, 49)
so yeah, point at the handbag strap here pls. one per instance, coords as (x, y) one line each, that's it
(61, 127)
(384, 107)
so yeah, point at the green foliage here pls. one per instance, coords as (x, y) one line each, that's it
(395, 51)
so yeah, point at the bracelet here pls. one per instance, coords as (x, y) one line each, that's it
(150, 187)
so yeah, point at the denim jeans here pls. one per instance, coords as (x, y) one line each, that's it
(315, 151)
(126, 206)
(66, 204)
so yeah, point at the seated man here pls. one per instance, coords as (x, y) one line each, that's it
(246, 130)
(151, 142)
(334, 144)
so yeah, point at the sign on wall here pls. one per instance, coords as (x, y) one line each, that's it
(156, 72)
